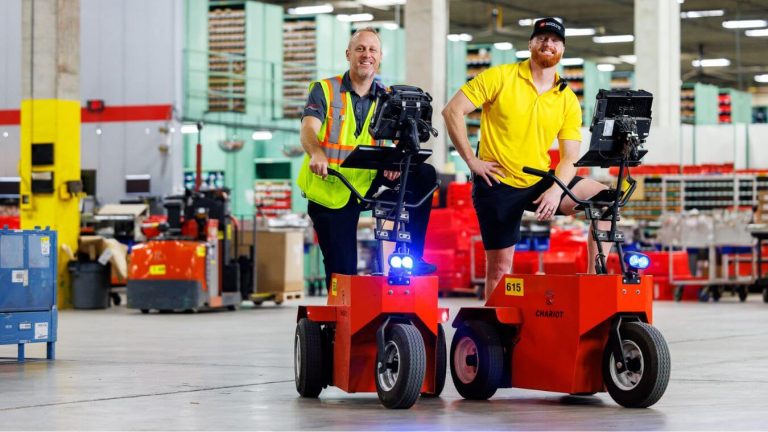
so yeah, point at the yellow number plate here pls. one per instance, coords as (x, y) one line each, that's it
(201, 251)
(333, 286)
(157, 269)
(513, 287)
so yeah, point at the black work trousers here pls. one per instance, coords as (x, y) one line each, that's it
(337, 228)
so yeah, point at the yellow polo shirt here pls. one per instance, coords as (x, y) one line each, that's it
(517, 125)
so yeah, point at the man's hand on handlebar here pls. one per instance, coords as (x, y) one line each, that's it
(548, 203)
(391, 175)
(485, 170)
(318, 164)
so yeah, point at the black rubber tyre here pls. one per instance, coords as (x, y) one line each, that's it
(678, 293)
(648, 366)
(308, 359)
(232, 308)
(477, 360)
(399, 385)
(765, 295)
(480, 292)
(742, 291)
(716, 292)
(704, 295)
(145, 311)
(441, 364)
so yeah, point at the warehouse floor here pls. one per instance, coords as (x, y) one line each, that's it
(118, 369)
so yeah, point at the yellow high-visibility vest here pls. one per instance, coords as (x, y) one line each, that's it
(337, 139)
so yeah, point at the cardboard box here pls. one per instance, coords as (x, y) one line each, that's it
(106, 250)
(279, 261)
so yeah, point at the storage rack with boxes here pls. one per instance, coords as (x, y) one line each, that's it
(226, 60)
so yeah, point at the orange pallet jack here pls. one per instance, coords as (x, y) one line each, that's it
(380, 333)
(576, 334)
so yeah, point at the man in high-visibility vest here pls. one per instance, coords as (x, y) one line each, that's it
(335, 120)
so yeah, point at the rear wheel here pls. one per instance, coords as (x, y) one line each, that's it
(440, 363)
(399, 380)
(742, 290)
(308, 359)
(646, 356)
(765, 295)
(477, 360)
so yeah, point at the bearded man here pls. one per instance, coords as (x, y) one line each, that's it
(525, 107)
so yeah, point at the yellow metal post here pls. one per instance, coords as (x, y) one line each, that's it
(49, 191)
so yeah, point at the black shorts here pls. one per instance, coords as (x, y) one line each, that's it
(500, 209)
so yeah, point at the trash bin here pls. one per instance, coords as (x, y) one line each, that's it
(90, 285)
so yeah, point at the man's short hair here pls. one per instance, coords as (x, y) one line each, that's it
(363, 30)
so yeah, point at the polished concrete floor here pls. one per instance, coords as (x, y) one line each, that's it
(118, 369)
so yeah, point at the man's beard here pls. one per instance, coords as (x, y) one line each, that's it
(363, 75)
(545, 62)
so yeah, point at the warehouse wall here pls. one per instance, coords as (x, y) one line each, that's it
(10, 84)
(131, 55)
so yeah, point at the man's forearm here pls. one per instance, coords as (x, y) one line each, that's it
(309, 141)
(457, 131)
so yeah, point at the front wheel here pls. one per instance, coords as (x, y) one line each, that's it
(400, 377)
(477, 360)
(646, 356)
(308, 359)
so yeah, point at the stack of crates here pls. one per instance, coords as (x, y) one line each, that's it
(28, 280)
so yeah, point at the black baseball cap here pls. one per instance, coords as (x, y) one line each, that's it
(549, 25)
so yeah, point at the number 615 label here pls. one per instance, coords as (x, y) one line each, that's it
(513, 286)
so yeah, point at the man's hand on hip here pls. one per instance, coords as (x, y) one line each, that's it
(318, 164)
(548, 203)
(485, 170)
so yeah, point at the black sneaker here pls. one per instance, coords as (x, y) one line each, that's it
(422, 268)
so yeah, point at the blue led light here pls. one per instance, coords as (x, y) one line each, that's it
(637, 260)
(407, 262)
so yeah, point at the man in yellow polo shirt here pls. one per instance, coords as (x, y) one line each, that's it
(526, 106)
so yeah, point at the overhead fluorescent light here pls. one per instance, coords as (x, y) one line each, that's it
(573, 61)
(355, 17)
(761, 78)
(503, 46)
(311, 10)
(374, 3)
(463, 37)
(629, 58)
(702, 13)
(757, 33)
(740, 24)
(389, 25)
(716, 62)
(262, 136)
(606, 67)
(189, 128)
(527, 22)
(580, 31)
(523, 54)
(613, 39)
